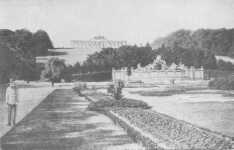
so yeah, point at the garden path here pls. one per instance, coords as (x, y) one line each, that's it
(62, 121)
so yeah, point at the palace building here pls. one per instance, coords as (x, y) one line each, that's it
(81, 49)
(97, 42)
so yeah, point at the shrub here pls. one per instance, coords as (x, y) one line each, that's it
(222, 83)
(119, 85)
(79, 87)
(110, 89)
(107, 103)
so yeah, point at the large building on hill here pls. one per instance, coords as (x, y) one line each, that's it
(97, 42)
(81, 49)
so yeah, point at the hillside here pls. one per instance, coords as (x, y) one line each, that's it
(219, 41)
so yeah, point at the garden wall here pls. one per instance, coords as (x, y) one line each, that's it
(157, 75)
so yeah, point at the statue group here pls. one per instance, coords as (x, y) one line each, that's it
(160, 64)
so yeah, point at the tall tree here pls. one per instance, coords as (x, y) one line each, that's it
(219, 41)
(41, 43)
(7, 61)
(53, 69)
(24, 41)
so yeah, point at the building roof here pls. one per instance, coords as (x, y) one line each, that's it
(99, 38)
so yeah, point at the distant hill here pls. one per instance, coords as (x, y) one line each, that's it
(219, 41)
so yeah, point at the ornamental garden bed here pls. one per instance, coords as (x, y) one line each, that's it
(170, 133)
(155, 130)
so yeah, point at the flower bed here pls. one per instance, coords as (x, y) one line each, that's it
(155, 130)
(136, 135)
(172, 132)
(103, 102)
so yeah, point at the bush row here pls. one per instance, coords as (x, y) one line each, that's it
(222, 83)
(103, 104)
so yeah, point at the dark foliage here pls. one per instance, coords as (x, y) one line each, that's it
(7, 61)
(222, 83)
(222, 65)
(41, 43)
(124, 56)
(93, 76)
(53, 69)
(67, 73)
(98, 66)
(189, 57)
(218, 41)
(107, 103)
(18, 53)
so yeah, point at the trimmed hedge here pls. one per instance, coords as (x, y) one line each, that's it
(94, 77)
(222, 83)
(103, 104)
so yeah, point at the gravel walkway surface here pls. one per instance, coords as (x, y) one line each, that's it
(29, 98)
(62, 122)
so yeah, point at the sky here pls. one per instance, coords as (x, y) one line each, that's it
(136, 21)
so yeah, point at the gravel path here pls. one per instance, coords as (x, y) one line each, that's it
(62, 122)
(29, 98)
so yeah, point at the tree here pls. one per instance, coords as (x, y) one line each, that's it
(222, 65)
(18, 50)
(24, 41)
(209, 61)
(125, 56)
(41, 43)
(7, 37)
(67, 73)
(53, 69)
(218, 41)
(189, 57)
(7, 60)
(131, 56)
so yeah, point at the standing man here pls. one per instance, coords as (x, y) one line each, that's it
(12, 101)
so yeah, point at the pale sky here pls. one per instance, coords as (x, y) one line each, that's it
(137, 21)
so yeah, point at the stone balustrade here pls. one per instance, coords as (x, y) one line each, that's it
(97, 44)
(157, 75)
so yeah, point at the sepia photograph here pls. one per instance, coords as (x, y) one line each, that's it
(116, 74)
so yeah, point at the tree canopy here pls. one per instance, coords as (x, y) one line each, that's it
(41, 43)
(108, 58)
(131, 56)
(218, 41)
(189, 57)
(18, 50)
(53, 69)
